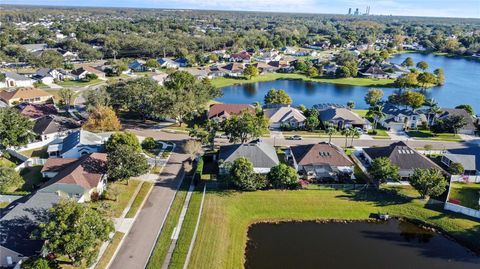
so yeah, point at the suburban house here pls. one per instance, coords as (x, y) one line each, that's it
(342, 118)
(374, 72)
(13, 80)
(397, 119)
(138, 66)
(182, 62)
(167, 63)
(402, 156)
(35, 111)
(52, 126)
(468, 161)
(25, 95)
(221, 112)
(264, 68)
(48, 75)
(20, 219)
(78, 143)
(240, 57)
(231, 69)
(79, 73)
(469, 128)
(285, 116)
(262, 155)
(76, 178)
(322, 161)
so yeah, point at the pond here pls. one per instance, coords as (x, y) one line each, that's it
(461, 86)
(393, 244)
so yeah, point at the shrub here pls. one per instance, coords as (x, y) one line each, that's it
(149, 143)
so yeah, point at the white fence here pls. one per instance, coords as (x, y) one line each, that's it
(465, 179)
(461, 209)
(36, 145)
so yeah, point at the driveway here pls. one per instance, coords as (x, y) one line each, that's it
(137, 246)
(398, 135)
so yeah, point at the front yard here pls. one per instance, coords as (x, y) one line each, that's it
(465, 194)
(428, 135)
(78, 83)
(117, 196)
(226, 216)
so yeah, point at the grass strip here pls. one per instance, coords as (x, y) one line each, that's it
(111, 248)
(142, 194)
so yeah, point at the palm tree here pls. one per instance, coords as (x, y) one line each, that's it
(330, 131)
(430, 103)
(376, 113)
(435, 110)
(354, 133)
(346, 132)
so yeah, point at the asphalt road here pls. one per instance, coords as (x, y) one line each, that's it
(139, 242)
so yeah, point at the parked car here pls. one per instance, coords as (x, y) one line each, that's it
(360, 130)
(294, 137)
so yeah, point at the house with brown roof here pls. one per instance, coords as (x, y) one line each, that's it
(25, 95)
(76, 178)
(322, 161)
(221, 112)
(285, 116)
(401, 155)
(36, 111)
(240, 57)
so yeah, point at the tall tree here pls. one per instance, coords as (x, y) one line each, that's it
(9, 179)
(250, 71)
(96, 98)
(102, 119)
(125, 162)
(376, 113)
(66, 97)
(123, 138)
(413, 99)
(15, 129)
(76, 231)
(277, 97)
(283, 176)
(422, 65)
(243, 176)
(241, 128)
(440, 73)
(428, 182)
(408, 62)
(467, 108)
(382, 169)
(373, 96)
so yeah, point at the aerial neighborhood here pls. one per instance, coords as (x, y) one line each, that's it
(112, 121)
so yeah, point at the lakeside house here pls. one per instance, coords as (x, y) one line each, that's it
(321, 161)
(77, 144)
(25, 95)
(243, 57)
(285, 116)
(262, 155)
(343, 118)
(220, 112)
(14, 80)
(401, 155)
(469, 129)
(397, 119)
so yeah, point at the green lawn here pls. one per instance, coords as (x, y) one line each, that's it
(317, 133)
(125, 193)
(163, 241)
(222, 236)
(468, 194)
(367, 82)
(428, 135)
(33, 178)
(75, 83)
(142, 194)
(7, 163)
(188, 228)
(380, 133)
(112, 247)
(38, 152)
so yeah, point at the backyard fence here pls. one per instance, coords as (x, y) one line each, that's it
(463, 210)
(465, 179)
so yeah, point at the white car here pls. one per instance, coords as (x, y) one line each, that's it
(294, 137)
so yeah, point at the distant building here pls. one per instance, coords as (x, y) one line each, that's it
(14, 80)
(224, 111)
(25, 95)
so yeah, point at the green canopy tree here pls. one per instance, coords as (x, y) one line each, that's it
(76, 231)
(408, 62)
(382, 169)
(283, 176)
(125, 162)
(467, 108)
(243, 177)
(241, 128)
(373, 96)
(277, 97)
(428, 182)
(422, 65)
(123, 138)
(9, 179)
(250, 71)
(15, 129)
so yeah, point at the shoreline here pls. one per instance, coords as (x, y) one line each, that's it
(360, 82)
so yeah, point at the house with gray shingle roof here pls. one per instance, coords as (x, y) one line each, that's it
(262, 155)
(468, 161)
(52, 126)
(78, 143)
(14, 80)
(469, 127)
(343, 118)
(399, 119)
(285, 115)
(401, 155)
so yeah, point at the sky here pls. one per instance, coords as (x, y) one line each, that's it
(435, 8)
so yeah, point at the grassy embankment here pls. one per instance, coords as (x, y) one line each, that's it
(366, 82)
(222, 236)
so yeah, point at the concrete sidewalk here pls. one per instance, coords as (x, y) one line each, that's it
(135, 250)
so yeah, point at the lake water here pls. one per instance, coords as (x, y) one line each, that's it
(462, 86)
(393, 244)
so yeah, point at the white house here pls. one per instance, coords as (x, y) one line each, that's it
(285, 116)
(77, 144)
(14, 80)
(397, 119)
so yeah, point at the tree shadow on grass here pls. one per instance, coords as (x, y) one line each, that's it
(378, 197)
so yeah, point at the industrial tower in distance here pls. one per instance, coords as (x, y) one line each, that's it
(357, 12)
